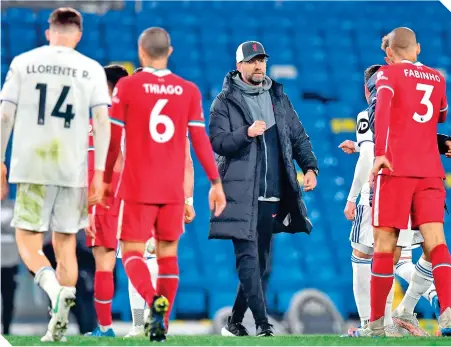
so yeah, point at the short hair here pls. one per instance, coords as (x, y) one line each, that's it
(114, 73)
(155, 42)
(370, 71)
(138, 69)
(66, 16)
(385, 43)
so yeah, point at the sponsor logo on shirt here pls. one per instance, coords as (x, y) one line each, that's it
(363, 126)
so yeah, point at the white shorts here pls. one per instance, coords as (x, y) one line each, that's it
(362, 238)
(39, 207)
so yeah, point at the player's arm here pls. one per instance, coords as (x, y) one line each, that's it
(9, 101)
(362, 170)
(385, 93)
(443, 108)
(189, 173)
(118, 111)
(224, 141)
(102, 134)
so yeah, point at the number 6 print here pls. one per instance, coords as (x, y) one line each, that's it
(157, 118)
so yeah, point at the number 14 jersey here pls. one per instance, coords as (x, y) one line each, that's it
(54, 88)
(156, 107)
(406, 125)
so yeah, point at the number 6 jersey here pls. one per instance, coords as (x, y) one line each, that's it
(411, 100)
(156, 107)
(54, 88)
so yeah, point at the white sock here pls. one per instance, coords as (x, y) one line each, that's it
(46, 279)
(361, 275)
(405, 270)
(430, 294)
(420, 283)
(388, 320)
(137, 303)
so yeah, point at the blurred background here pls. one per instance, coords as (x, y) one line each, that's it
(319, 51)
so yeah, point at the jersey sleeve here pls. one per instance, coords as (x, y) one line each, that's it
(100, 94)
(363, 131)
(119, 104)
(196, 115)
(385, 79)
(11, 87)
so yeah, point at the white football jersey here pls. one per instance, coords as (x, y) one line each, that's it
(54, 88)
(364, 134)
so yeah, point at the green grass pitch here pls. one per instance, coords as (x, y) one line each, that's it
(289, 340)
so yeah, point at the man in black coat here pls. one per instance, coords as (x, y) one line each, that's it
(256, 134)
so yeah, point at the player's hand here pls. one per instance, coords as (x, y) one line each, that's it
(381, 162)
(448, 154)
(217, 199)
(108, 192)
(256, 129)
(189, 214)
(4, 187)
(96, 189)
(347, 146)
(90, 230)
(350, 210)
(309, 181)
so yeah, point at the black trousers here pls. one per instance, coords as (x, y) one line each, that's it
(8, 290)
(252, 264)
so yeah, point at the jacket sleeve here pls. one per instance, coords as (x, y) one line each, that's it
(302, 147)
(441, 139)
(225, 142)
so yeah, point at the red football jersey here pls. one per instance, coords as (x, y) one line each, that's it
(155, 107)
(407, 113)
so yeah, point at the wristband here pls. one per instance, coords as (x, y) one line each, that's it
(189, 201)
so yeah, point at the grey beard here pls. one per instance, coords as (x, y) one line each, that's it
(256, 80)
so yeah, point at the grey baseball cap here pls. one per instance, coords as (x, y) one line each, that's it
(248, 50)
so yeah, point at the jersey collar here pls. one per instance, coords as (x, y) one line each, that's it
(409, 62)
(156, 72)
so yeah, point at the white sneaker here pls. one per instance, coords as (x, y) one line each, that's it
(60, 314)
(48, 337)
(137, 331)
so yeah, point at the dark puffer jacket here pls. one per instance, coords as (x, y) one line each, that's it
(239, 159)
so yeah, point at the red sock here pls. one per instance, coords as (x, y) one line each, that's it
(381, 283)
(168, 281)
(138, 273)
(103, 296)
(441, 270)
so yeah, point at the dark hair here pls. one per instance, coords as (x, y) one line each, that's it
(138, 69)
(66, 16)
(114, 73)
(370, 71)
(155, 42)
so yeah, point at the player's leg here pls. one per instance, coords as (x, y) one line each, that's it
(136, 221)
(104, 251)
(362, 253)
(69, 215)
(429, 215)
(404, 316)
(391, 210)
(168, 229)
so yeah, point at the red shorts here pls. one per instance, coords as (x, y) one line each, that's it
(142, 221)
(106, 230)
(398, 198)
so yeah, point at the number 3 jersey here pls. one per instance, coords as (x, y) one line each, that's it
(54, 88)
(155, 107)
(411, 100)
